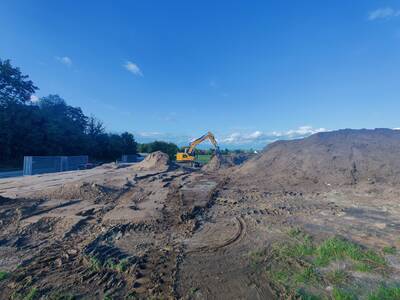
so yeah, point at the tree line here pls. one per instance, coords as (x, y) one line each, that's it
(49, 126)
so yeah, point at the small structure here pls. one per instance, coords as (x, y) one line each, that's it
(129, 158)
(50, 164)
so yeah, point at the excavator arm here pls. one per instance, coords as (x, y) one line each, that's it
(201, 139)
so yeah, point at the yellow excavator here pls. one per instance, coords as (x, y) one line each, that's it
(188, 155)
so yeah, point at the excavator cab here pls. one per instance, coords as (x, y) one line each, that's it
(183, 157)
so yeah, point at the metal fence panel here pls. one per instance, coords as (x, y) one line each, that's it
(49, 164)
(129, 158)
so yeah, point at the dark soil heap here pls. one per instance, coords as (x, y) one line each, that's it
(327, 160)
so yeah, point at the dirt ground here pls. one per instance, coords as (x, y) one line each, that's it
(157, 231)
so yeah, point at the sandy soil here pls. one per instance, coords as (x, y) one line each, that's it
(173, 233)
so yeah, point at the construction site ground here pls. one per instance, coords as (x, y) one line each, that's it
(166, 232)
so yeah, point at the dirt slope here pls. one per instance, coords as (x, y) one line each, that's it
(154, 161)
(220, 161)
(327, 160)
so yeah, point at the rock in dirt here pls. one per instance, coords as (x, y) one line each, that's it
(156, 161)
(327, 160)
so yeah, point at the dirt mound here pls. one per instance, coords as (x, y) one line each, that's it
(156, 161)
(83, 191)
(219, 161)
(327, 160)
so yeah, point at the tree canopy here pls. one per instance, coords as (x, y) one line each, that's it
(169, 148)
(50, 126)
(14, 86)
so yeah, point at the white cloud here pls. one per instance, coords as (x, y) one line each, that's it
(149, 134)
(259, 137)
(133, 68)
(383, 13)
(301, 131)
(34, 98)
(65, 60)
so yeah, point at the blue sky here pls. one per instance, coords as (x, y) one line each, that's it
(249, 71)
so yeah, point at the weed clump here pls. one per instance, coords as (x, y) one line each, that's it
(389, 250)
(385, 293)
(4, 275)
(301, 267)
(337, 248)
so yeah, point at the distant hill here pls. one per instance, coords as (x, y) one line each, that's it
(327, 159)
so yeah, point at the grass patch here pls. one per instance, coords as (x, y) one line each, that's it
(193, 291)
(301, 264)
(257, 258)
(337, 248)
(95, 264)
(62, 296)
(120, 266)
(303, 295)
(203, 158)
(308, 275)
(294, 232)
(340, 294)
(337, 277)
(385, 293)
(389, 250)
(32, 294)
(4, 275)
(132, 296)
(289, 268)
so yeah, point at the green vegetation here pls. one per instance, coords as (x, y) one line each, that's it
(337, 277)
(4, 275)
(385, 293)
(49, 126)
(203, 158)
(303, 295)
(301, 266)
(95, 264)
(340, 294)
(62, 296)
(193, 291)
(169, 148)
(120, 266)
(389, 250)
(337, 248)
(32, 294)
(132, 296)
(308, 275)
(257, 258)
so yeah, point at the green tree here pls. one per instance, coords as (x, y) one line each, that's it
(15, 117)
(129, 145)
(169, 148)
(15, 88)
(51, 126)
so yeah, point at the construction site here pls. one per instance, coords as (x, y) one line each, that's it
(313, 218)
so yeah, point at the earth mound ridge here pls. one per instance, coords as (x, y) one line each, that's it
(327, 160)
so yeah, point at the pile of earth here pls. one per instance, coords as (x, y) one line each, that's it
(156, 161)
(327, 160)
(82, 190)
(220, 161)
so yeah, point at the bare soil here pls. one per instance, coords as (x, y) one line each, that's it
(166, 232)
